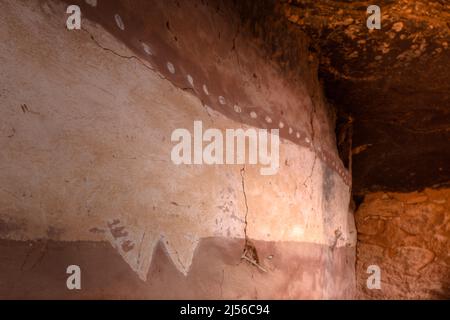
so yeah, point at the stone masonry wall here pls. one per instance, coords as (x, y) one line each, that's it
(407, 235)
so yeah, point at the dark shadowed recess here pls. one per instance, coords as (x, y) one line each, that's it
(391, 87)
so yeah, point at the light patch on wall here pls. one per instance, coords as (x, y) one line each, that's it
(205, 90)
(92, 3)
(297, 231)
(147, 49)
(119, 22)
(190, 80)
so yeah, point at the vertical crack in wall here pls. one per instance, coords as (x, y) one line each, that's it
(311, 119)
(234, 48)
(350, 152)
(245, 201)
(309, 177)
(249, 253)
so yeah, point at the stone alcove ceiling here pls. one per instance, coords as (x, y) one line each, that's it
(391, 87)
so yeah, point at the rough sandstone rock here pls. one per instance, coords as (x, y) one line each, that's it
(408, 236)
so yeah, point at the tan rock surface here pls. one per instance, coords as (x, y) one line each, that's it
(408, 236)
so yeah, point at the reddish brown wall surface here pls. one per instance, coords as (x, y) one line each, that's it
(294, 271)
(87, 177)
(408, 236)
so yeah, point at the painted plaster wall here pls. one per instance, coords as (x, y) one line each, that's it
(85, 158)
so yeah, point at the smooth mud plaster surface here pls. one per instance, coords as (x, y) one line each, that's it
(87, 179)
(294, 271)
(408, 236)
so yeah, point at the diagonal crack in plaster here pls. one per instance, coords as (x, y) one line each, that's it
(309, 177)
(132, 57)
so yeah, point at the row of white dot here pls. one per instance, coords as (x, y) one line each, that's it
(222, 100)
(237, 109)
(253, 115)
